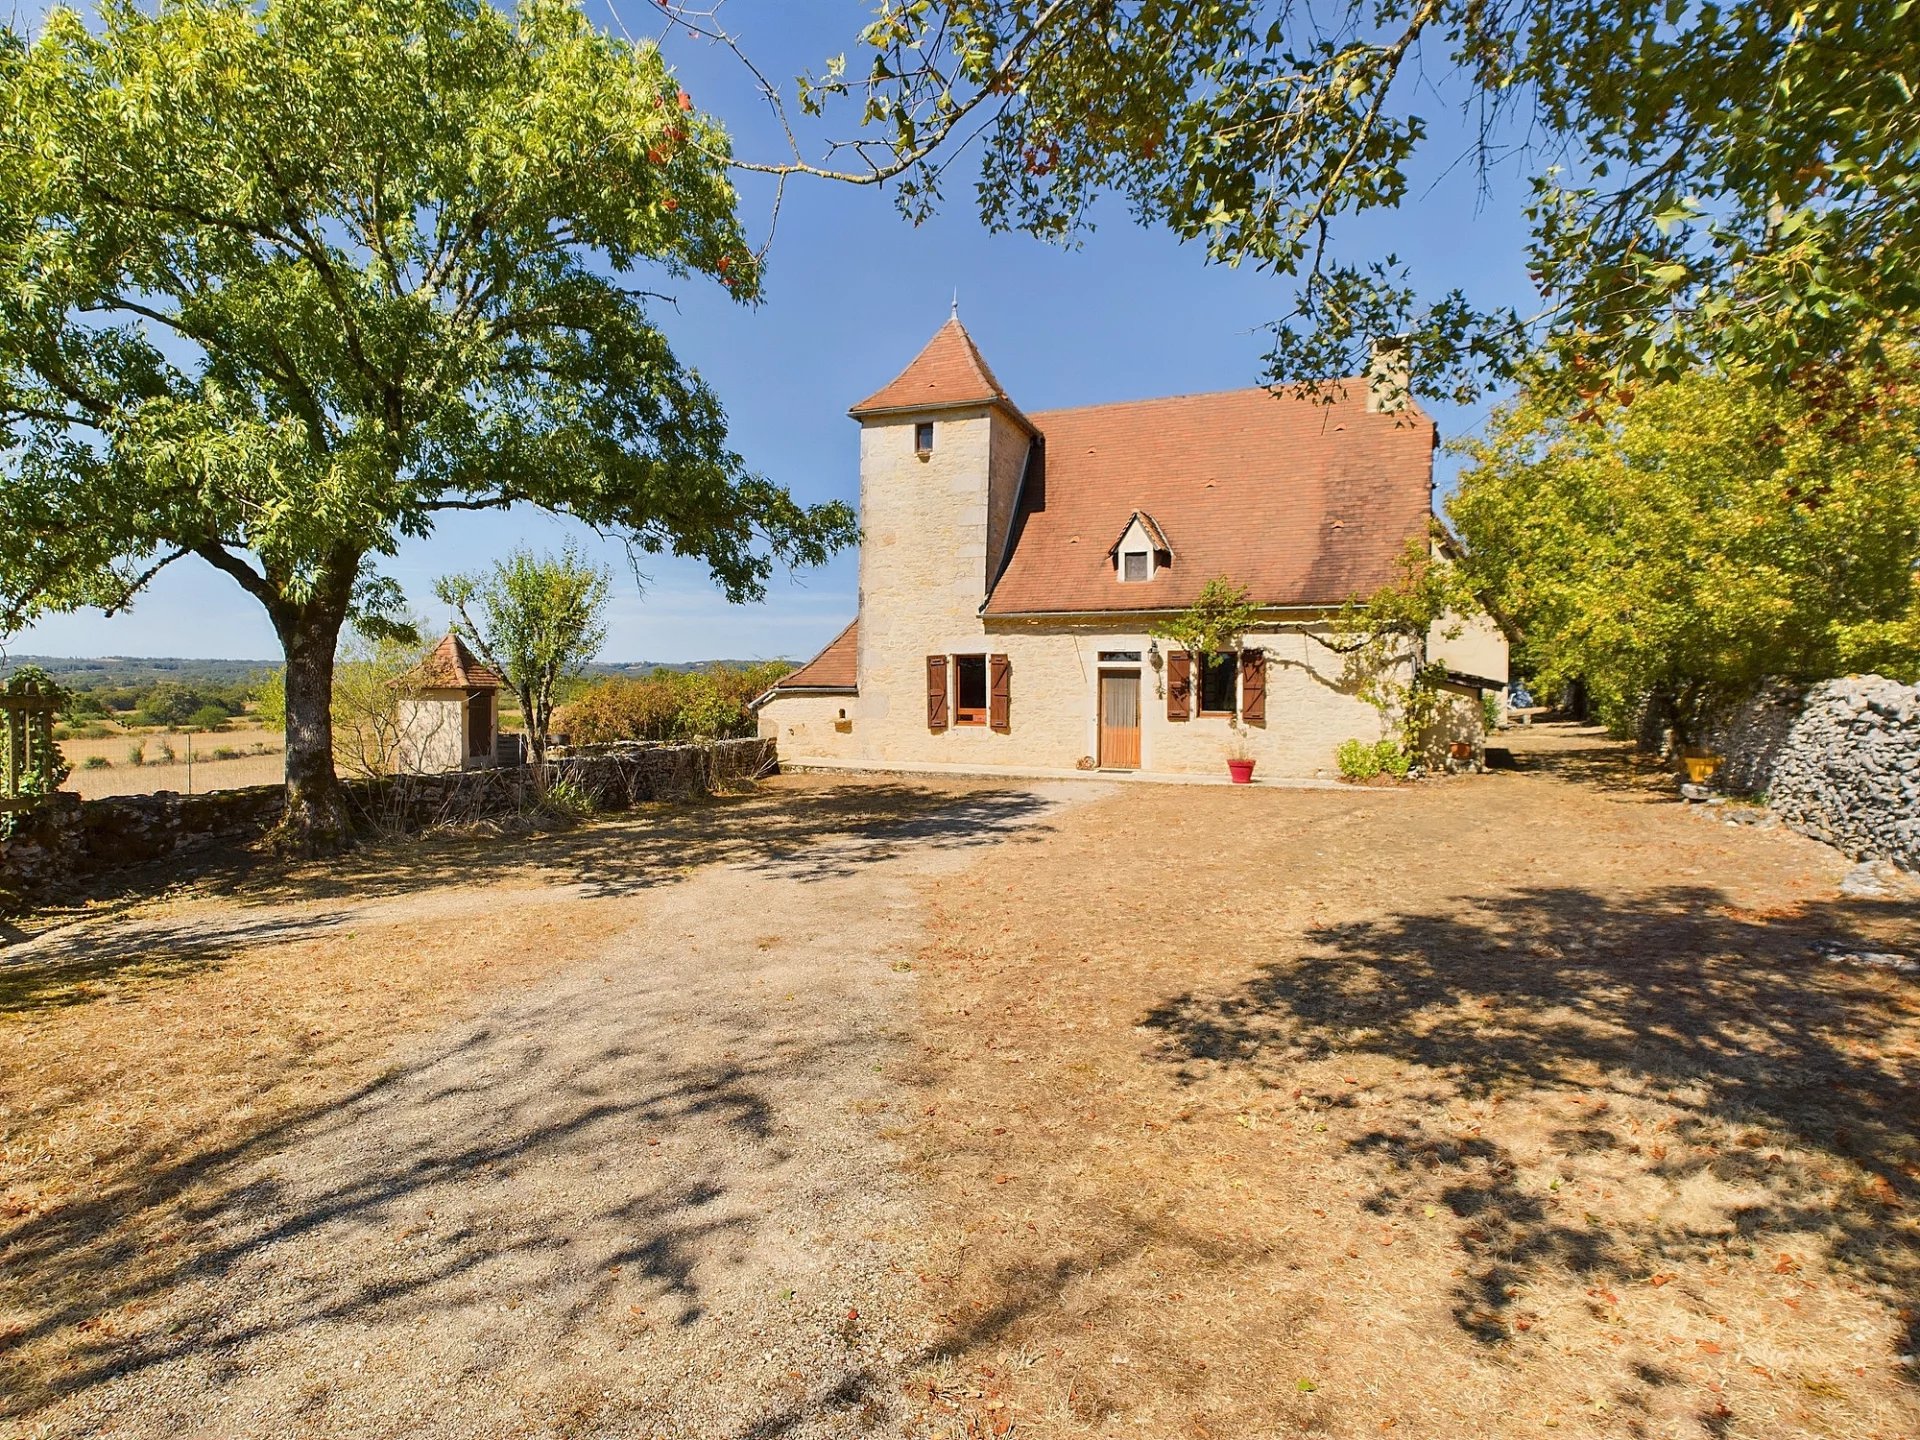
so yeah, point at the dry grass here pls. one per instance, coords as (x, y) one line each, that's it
(120, 777)
(1496, 1107)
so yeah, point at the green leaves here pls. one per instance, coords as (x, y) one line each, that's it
(1702, 534)
(1705, 161)
(1214, 623)
(289, 280)
(282, 282)
(535, 619)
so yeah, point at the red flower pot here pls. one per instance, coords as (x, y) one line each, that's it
(1241, 770)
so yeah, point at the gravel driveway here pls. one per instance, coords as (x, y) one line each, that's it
(651, 1195)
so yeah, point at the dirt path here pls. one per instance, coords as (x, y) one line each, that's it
(648, 1195)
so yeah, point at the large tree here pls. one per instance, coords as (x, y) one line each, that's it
(1703, 534)
(282, 282)
(1734, 180)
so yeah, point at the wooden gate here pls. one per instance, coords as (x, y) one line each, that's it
(30, 763)
(1119, 720)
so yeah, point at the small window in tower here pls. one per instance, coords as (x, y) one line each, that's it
(1134, 565)
(923, 438)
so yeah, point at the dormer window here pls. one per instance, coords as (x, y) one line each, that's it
(1141, 552)
(923, 439)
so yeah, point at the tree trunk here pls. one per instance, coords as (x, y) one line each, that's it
(316, 819)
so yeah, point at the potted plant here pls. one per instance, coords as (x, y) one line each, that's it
(1240, 755)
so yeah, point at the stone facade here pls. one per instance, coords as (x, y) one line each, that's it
(1054, 704)
(435, 733)
(934, 528)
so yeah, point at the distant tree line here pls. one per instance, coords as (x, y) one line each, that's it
(166, 704)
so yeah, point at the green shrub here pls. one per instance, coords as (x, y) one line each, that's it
(1490, 710)
(163, 753)
(1359, 760)
(709, 704)
(565, 798)
(225, 752)
(136, 754)
(1356, 760)
(95, 762)
(207, 717)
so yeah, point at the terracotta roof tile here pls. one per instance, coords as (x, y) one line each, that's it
(1306, 504)
(452, 666)
(947, 373)
(834, 668)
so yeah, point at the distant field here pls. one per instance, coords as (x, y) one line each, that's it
(120, 776)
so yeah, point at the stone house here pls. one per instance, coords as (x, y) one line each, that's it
(1012, 564)
(448, 713)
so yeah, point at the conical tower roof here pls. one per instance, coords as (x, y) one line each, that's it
(947, 374)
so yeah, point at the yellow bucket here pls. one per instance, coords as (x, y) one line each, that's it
(1701, 768)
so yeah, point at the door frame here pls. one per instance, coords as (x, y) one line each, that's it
(1118, 672)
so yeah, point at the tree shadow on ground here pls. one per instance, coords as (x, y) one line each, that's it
(1754, 1025)
(1586, 755)
(197, 1226)
(810, 835)
(186, 1228)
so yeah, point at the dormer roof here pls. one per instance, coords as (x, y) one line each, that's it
(1156, 537)
(948, 374)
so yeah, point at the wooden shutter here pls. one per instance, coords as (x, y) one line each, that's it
(1179, 685)
(936, 692)
(1253, 687)
(999, 692)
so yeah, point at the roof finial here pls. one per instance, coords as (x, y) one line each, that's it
(956, 302)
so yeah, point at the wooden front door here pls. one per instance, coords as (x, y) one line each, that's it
(479, 724)
(1119, 720)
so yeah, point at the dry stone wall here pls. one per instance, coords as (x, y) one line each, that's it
(69, 839)
(1848, 770)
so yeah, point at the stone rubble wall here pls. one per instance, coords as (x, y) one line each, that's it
(1839, 761)
(1849, 770)
(69, 839)
(1753, 735)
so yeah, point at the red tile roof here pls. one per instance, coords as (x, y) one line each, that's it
(834, 668)
(1305, 503)
(949, 372)
(452, 666)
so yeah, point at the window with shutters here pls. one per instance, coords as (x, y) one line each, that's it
(969, 689)
(1219, 677)
(1134, 566)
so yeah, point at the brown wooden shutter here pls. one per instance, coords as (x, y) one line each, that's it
(1179, 685)
(999, 692)
(1253, 687)
(936, 692)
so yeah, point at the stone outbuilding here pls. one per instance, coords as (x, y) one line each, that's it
(449, 716)
(1003, 626)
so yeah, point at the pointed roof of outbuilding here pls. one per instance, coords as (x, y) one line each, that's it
(948, 373)
(452, 666)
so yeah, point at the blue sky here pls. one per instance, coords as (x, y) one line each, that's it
(852, 293)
